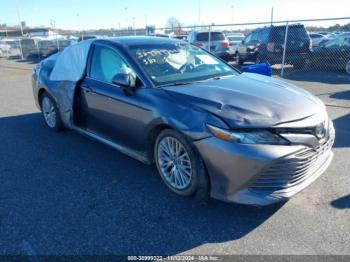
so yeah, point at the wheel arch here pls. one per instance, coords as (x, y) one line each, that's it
(204, 184)
(41, 92)
(152, 136)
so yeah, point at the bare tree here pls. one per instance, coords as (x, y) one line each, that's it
(173, 23)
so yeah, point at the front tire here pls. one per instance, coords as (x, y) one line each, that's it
(179, 165)
(51, 113)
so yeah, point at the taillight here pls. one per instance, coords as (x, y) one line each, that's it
(225, 44)
(270, 47)
(198, 44)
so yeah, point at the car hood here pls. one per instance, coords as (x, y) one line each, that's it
(249, 100)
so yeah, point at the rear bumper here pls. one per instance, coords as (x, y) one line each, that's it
(276, 58)
(289, 59)
(262, 174)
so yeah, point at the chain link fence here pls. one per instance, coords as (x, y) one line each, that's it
(288, 46)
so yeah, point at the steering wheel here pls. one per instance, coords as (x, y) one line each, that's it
(186, 67)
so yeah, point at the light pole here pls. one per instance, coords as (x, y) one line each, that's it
(199, 13)
(271, 15)
(19, 17)
(232, 9)
(53, 27)
(133, 25)
(126, 17)
(6, 30)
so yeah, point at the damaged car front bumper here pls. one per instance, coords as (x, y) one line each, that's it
(257, 174)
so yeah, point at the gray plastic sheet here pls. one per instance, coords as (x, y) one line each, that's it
(60, 74)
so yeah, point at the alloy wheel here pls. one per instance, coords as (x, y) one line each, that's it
(174, 163)
(49, 112)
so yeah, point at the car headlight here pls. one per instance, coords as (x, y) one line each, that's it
(248, 137)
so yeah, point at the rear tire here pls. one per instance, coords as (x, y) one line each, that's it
(180, 166)
(239, 60)
(51, 113)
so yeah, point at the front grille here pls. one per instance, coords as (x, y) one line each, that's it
(292, 170)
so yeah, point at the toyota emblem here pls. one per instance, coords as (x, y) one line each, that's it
(320, 131)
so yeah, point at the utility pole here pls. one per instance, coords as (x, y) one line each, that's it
(271, 15)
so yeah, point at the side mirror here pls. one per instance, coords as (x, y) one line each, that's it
(125, 82)
(122, 80)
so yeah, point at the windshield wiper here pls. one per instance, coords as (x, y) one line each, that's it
(178, 84)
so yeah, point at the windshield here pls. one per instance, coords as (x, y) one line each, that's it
(214, 36)
(235, 38)
(295, 32)
(45, 43)
(178, 62)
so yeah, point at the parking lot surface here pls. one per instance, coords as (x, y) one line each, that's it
(62, 193)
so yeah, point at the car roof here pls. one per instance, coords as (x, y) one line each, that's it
(207, 31)
(135, 40)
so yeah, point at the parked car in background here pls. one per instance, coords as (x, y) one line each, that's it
(13, 43)
(267, 44)
(86, 37)
(316, 38)
(47, 47)
(29, 49)
(219, 45)
(63, 43)
(209, 129)
(333, 54)
(161, 35)
(181, 37)
(5, 49)
(235, 39)
(14, 46)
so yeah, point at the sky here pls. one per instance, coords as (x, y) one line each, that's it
(95, 14)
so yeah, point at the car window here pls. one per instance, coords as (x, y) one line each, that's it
(214, 36)
(248, 38)
(255, 36)
(263, 35)
(45, 43)
(106, 63)
(295, 32)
